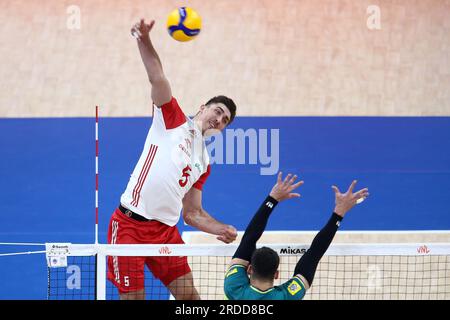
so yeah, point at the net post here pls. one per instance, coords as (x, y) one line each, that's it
(100, 276)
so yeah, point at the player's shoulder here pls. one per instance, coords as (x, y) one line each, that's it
(236, 282)
(170, 114)
(236, 277)
(293, 289)
(235, 269)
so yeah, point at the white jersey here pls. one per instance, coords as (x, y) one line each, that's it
(174, 159)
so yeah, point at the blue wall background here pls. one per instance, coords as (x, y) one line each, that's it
(47, 174)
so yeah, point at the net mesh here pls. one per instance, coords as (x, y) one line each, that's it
(362, 276)
(382, 277)
(77, 281)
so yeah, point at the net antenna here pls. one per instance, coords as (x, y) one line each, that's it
(96, 174)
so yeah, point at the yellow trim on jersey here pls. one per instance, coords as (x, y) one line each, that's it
(232, 270)
(259, 291)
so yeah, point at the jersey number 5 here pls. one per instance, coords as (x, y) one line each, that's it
(184, 178)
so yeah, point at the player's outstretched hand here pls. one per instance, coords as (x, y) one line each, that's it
(141, 29)
(283, 188)
(228, 234)
(346, 201)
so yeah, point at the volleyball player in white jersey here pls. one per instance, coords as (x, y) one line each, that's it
(167, 179)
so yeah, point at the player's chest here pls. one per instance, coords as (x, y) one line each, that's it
(187, 152)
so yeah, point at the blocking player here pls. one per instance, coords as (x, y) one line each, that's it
(167, 179)
(252, 271)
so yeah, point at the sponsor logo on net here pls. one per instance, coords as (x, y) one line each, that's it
(423, 249)
(290, 250)
(165, 250)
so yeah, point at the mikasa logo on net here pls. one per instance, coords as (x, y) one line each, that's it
(290, 250)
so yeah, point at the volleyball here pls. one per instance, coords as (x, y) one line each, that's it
(184, 24)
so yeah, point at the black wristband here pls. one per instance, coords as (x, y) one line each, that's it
(337, 218)
(271, 202)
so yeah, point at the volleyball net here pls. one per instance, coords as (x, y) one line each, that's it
(365, 271)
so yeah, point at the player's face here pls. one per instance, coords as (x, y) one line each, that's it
(214, 117)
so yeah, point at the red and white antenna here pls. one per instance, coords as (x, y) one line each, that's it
(96, 174)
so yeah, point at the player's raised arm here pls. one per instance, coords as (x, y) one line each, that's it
(161, 91)
(307, 265)
(281, 190)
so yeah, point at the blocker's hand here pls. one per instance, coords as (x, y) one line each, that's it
(283, 188)
(141, 29)
(346, 201)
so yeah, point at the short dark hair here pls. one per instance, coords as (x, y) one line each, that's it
(229, 103)
(265, 263)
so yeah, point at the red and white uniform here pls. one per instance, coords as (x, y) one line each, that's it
(174, 159)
